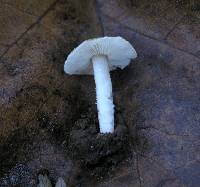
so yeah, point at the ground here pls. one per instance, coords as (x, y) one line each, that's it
(48, 121)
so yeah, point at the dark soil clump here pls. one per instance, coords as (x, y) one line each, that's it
(97, 153)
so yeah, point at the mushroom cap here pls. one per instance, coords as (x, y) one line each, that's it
(117, 50)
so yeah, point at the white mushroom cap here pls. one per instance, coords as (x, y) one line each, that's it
(117, 50)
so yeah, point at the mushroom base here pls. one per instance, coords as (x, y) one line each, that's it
(97, 154)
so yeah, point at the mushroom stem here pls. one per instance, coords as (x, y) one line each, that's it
(104, 94)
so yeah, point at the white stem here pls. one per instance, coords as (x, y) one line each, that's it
(104, 94)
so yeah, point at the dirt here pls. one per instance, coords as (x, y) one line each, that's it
(97, 152)
(94, 156)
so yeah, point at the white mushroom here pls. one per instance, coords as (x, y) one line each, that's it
(60, 183)
(44, 181)
(98, 56)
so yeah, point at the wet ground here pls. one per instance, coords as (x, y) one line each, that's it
(48, 121)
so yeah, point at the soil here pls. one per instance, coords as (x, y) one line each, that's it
(85, 153)
(95, 155)
(98, 153)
